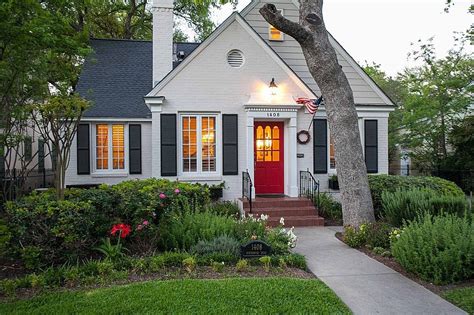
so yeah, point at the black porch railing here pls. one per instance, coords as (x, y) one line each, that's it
(309, 187)
(247, 186)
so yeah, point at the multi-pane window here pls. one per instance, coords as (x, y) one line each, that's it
(198, 143)
(102, 147)
(273, 33)
(118, 147)
(268, 144)
(110, 147)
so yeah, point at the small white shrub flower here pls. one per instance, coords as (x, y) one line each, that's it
(282, 221)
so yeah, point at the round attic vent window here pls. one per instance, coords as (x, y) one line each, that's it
(235, 58)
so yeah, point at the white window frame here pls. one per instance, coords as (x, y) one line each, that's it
(270, 27)
(110, 170)
(218, 130)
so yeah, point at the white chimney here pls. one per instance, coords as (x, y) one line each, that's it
(162, 39)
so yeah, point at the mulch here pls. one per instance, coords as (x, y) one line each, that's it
(393, 264)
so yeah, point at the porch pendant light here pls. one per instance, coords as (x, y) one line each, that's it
(273, 87)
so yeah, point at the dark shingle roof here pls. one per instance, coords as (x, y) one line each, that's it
(117, 75)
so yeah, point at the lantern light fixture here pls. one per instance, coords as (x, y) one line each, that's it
(273, 87)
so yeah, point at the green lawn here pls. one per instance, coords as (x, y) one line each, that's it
(463, 298)
(227, 296)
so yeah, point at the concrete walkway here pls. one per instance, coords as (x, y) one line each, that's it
(364, 284)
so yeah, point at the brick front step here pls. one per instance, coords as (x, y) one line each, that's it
(296, 211)
(311, 220)
(278, 203)
(284, 212)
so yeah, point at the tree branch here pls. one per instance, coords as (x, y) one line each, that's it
(295, 30)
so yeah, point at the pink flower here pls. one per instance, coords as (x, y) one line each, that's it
(177, 191)
(145, 222)
(162, 196)
(139, 227)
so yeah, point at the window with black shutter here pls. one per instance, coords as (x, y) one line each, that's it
(135, 148)
(230, 144)
(168, 145)
(320, 146)
(83, 150)
(371, 145)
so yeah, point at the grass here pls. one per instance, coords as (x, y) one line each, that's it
(226, 296)
(463, 298)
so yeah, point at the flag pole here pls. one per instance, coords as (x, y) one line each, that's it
(312, 118)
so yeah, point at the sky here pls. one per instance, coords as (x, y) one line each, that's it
(382, 31)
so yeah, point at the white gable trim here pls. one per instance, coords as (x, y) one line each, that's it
(359, 70)
(233, 17)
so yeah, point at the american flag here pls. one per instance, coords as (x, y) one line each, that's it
(311, 105)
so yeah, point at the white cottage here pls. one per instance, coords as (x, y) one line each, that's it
(206, 112)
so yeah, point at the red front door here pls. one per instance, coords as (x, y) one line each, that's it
(269, 176)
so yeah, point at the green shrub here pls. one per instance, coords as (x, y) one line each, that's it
(53, 230)
(266, 262)
(390, 183)
(222, 244)
(182, 231)
(377, 234)
(242, 265)
(218, 266)
(225, 208)
(5, 237)
(296, 261)
(354, 237)
(189, 264)
(329, 208)
(438, 249)
(404, 205)
(70, 229)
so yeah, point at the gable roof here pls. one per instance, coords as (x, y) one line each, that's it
(348, 62)
(238, 18)
(117, 75)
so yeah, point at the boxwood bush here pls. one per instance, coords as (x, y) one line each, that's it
(391, 183)
(404, 205)
(439, 249)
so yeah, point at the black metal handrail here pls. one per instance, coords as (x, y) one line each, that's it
(309, 187)
(247, 186)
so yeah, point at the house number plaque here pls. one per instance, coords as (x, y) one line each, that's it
(273, 114)
(255, 249)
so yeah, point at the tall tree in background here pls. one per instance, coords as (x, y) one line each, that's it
(323, 65)
(438, 96)
(132, 19)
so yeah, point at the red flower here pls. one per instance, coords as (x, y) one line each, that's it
(123, 229)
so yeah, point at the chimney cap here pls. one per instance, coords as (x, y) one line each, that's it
(163, 4)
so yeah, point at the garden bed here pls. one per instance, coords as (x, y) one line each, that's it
(171, 273)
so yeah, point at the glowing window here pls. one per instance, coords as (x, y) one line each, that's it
(198, 143)
(118, 147)
(273, 33)
(267, 144)
(102, 147)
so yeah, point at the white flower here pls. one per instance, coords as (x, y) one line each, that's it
(263, 217)
(282, 221)
(292, 237)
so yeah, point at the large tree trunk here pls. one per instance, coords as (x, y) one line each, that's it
(322, 62)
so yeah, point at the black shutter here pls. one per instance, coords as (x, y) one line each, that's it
(320, 146)
(40, 155)
(230, 165)
(135, 148)
(370, 144)
(168, 145)
(83, 150)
